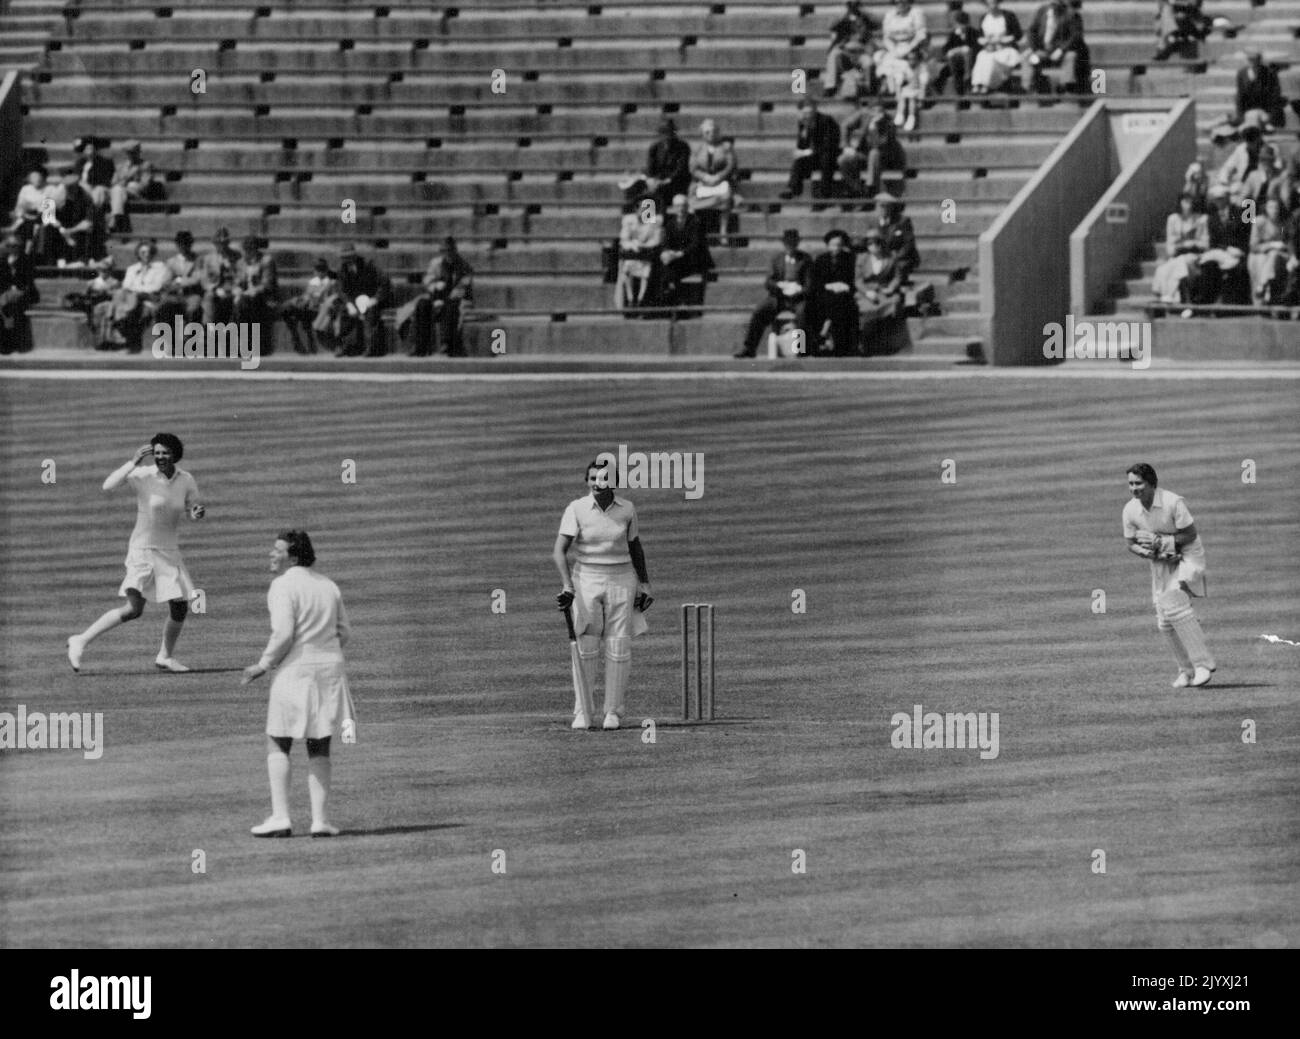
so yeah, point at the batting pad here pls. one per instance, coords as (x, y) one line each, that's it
(1177, 609)
(618, 667)
(589, 654)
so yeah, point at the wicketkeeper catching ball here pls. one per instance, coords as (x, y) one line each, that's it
(1158, 527)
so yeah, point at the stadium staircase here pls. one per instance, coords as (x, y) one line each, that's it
(391, 105)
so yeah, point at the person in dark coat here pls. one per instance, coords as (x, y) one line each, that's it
(816, 147)
(668, 166)
(17, 293)
(789, 279)
(683, 253)
(832, 310)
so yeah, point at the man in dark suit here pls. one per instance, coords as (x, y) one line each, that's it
(816, 147)
(17, 293)
(361, 294)
(1055, 41)
(789, 278)
(683, 253)
(448, 285)
(897, 233)
(1224, 277)
(668, 166)
(71, 237)
(832, 310)
(1258, 89)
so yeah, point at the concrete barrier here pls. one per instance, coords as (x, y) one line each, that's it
(1024, 256)
(11, 135)
(1134, 209)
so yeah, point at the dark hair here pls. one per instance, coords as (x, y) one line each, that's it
(609, 464)
(1143, 470)
(170, 441)
(299, 546)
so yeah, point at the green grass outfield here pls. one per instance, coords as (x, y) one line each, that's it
(971, 596)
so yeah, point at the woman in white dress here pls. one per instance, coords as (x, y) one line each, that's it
(999, 33)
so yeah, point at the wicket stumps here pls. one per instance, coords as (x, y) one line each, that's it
(697, 661)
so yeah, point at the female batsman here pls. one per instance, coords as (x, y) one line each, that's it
(609, 588)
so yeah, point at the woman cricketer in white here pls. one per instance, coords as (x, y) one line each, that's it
(155, 571)
(310, 698)
(1158, 527)
(609, 587)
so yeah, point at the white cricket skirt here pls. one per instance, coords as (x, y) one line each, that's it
(157, 574)
(309, 700)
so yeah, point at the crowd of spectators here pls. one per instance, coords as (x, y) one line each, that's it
(1235, 238)
(898, 56)
(848, 301)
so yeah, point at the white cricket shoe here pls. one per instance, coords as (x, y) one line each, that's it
(75, 648)
(581, 721)
(910, 124)
(1202, 676)
(611, 721)
(324, 830)
(163, 663)
(1183, 680)
(273, 827)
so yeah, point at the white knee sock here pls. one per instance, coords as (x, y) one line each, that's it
(1180, 652)
(318, 785)
(618, 666)
(1177, 607)
(277, 769)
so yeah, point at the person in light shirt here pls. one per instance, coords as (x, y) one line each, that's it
(155, 571)
(135, 304)
(310, 698)
(608, 588)
(1159, 528)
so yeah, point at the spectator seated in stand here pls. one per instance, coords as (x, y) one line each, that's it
(788, 282)
(1196, 182)
(183, 294)
(1224, 277)
(30, 207)
(901, 61)
(816, 149)
(1233, 173)
(134, 180)
(1056, 55)
(357, 324)
(124, 319)
(1269, 255)
(1181, 26)
(257, 292)
(832, 309)
(684, 261)
(639, 238)
(217, 279)
(17, 293)
(72, 237)
(96, 169)
(668, 166)
(879, 283)
(871, 148)
(713, 172)
(958, 54)
(999, 56)
(1187, 236)
(435, 318)
(99, 290)
(301, 312)
(849, 59)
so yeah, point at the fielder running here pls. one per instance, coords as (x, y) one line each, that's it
(155, 571)
(609, 588)
(310, 699)
(1158, 527)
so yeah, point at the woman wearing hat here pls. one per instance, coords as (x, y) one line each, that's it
(713, 167)
(832, 310)
(880, 297)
